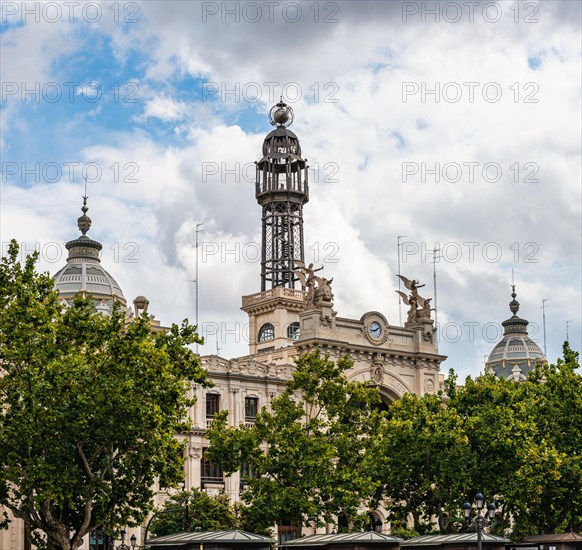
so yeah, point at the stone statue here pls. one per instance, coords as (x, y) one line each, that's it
(419, 307)
(316, 295)
(322, 293)
(424, 313)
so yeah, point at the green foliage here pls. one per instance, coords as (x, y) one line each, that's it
(195, 511)
(520, 444)
(420, 454)
(89, 406)
(308, 454)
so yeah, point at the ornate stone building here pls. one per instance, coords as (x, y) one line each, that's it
(291, 314)
(294, 313)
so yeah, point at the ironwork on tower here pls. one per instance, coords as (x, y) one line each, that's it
(282, 190)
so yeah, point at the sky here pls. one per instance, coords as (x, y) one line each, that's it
(456, 125)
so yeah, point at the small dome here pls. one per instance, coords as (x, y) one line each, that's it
(516, 354)
(281, 143)
(83, 272)
(86, 275)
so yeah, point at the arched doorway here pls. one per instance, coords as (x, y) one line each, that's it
(375, 522)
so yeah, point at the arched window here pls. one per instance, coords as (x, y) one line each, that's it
(342, 523)
(267, 332)
(294, 330)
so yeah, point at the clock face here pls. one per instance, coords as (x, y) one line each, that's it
(375, 329)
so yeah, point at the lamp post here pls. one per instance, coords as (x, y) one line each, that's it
(184, 511)
(132, 540)
(480, 517)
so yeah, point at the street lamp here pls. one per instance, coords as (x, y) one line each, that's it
(480, 517)
(132, 540)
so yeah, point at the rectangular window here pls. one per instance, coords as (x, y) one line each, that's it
(212, 404)
(210, 472)
(287, 530)
(100, 541)
(246, 471)
(251, 408)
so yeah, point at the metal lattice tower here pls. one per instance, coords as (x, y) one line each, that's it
(282, 190)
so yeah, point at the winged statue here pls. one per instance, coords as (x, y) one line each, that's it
(404, 297)
(315, 294)
(411, 285)
(419, 306)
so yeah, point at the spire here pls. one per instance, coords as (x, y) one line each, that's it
(84, 221)
(83, 246)
(514, 304)
(514, 324)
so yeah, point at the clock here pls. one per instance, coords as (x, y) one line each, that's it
(375, 330)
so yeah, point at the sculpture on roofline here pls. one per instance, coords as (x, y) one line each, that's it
(316, 295)
(420, 309)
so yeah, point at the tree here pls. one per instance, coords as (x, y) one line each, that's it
(549, 499)
(307, 455)
(526, 446)
(420, 452)
(520, 444)
(89, 408)
(195, 510)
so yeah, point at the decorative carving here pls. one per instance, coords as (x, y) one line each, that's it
(194, 452)
(427, 337)
(377, 373)
(395, 384)
(327, 322)
(429, 385)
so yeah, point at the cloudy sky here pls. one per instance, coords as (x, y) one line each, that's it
(454, 124)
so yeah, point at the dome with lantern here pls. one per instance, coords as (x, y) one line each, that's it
(281, 143)
(83, 273)
(516, 354)
(282, 170)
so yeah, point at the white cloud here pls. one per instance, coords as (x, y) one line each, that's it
(356, 147)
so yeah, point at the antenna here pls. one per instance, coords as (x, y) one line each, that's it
(198, 230)
(543, 308)
(217, 348)
(567, 334)
(399, 298)
(435, 255)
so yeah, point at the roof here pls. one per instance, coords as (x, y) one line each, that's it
(460, 538)
(86, 274)
(555, 537)
(209, 537)
(344, 538)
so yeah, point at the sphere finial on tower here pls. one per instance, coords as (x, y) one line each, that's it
(281, 114)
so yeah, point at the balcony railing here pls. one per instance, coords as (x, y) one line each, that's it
(208, 480)
(277, 292)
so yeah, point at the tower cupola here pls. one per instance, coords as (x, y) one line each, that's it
(516, 354)
(83, 273)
